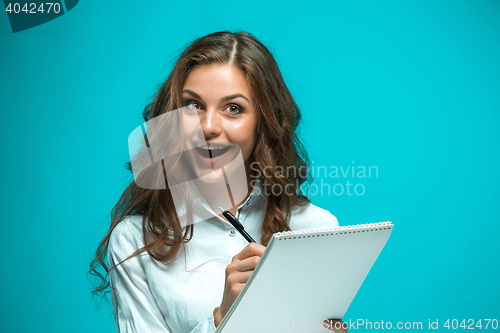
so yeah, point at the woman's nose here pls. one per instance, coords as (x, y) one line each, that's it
(211, 123)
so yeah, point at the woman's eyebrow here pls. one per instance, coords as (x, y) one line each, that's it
(223, 99)
(230, 97)
(192, 93)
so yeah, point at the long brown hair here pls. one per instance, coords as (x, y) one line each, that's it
(277, 148)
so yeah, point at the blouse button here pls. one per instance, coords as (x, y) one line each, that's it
(232, 233)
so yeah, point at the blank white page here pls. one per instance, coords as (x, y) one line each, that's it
(305, 277)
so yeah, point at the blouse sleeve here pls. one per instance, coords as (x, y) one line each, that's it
(134, 306)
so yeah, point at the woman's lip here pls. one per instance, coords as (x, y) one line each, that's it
(211, 144)
(210, 161)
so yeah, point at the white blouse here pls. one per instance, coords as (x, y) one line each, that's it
(180, 297)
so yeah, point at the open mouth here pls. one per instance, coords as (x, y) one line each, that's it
(212, 152)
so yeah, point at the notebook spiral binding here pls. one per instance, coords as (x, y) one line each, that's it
(349, 229)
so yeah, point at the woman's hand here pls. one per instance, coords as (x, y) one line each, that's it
(237, 274)
(336, 325)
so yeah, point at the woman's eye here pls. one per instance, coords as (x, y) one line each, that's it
(193, 105)
(234, 109)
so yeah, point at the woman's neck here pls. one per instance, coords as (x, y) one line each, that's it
(212, 200)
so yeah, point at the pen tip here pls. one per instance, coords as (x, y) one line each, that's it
(220, 208)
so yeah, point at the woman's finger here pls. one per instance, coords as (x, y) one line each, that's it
(248, 264)
(335, 325)
(252, 249)
(240, 277)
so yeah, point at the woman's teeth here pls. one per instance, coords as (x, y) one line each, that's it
(211, 148)
(211, 152)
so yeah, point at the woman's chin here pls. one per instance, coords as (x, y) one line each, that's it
(212, 176)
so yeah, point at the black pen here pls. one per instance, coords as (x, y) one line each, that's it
(234, 221)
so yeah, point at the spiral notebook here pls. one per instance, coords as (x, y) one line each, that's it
(304, 277)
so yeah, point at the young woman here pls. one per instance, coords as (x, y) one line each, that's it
(167, 275)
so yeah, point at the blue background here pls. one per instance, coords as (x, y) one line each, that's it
(411, 87)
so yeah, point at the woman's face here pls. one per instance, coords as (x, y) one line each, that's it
(227, 113)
